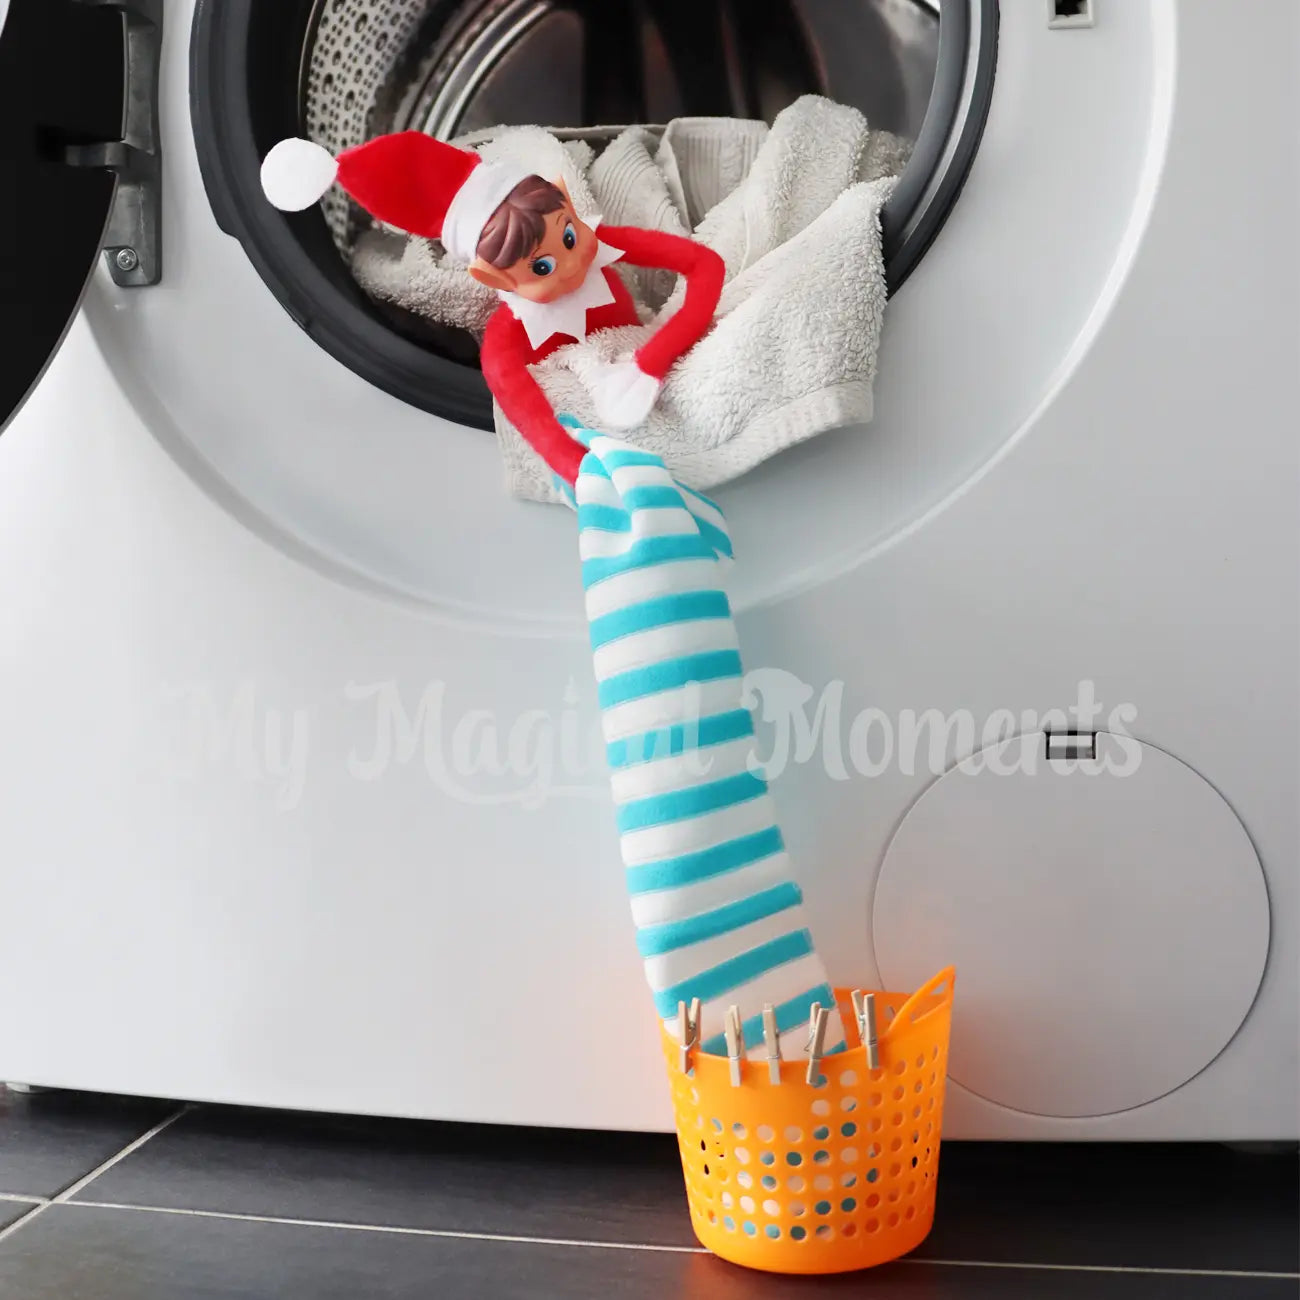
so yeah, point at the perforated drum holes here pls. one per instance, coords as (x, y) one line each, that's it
(354, 53)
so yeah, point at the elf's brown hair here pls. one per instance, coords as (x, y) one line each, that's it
(519, 224)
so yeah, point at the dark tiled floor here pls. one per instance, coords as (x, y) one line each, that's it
(73, 1253)
(191, 1215)
(51, 1139)
(10, 1211)
(455, 1178)
(1158, 1206)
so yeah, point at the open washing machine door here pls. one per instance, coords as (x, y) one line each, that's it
(80, 146)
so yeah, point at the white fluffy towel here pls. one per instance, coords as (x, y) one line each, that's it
(794, 211)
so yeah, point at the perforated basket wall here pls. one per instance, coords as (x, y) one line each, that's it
(825, 1178)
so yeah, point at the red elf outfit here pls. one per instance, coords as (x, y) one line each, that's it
(435, 190)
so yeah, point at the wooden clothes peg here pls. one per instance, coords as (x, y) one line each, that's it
(735, 1036)
(864, 1009)
(818, 1018)
(688, 1031)
(772, 1040)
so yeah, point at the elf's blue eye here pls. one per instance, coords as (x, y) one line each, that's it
(570, 235)
(543, 266)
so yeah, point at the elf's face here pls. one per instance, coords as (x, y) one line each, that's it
(558, 265)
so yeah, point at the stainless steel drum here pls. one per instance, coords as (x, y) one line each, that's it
(371, 66)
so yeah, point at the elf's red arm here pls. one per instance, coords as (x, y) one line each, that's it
(704, 271)
(505, 357)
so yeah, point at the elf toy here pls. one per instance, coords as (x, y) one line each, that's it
(720, 920)
(518, 234)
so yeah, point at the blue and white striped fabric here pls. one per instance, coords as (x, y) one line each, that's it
(718, 916)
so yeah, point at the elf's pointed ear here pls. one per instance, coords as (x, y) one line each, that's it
(491, 276)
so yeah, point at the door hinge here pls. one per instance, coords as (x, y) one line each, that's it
(133, 239)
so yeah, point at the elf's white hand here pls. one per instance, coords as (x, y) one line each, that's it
(624, 394)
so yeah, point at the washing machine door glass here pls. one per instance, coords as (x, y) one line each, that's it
(61, 93)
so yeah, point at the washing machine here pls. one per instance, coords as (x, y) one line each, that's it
(301, 797)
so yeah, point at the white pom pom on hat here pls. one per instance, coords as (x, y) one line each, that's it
(297, 173)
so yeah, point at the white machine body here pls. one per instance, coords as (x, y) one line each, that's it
(300, 800)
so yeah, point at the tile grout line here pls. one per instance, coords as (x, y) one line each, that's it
(130, 1149)
(10, 1228)
(449, 1234)
(393, 1229)
(73, 1188)
(23, 1200)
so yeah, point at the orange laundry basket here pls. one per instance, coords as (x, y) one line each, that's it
(827, 1177)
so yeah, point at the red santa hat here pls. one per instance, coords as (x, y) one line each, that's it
(408, 180)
